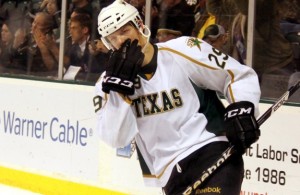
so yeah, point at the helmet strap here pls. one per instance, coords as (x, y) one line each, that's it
(145, 31)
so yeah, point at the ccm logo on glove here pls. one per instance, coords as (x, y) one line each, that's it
(118, 81)
(241, 127)
(238, 111)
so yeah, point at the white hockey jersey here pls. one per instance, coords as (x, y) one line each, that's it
(163, 115)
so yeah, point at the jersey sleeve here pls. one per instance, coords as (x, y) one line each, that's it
(116, 123)
(210, 68)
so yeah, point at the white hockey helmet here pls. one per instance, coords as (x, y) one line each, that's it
(116, 15)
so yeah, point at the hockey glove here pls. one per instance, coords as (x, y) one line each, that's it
(123, 67)
(241, 127)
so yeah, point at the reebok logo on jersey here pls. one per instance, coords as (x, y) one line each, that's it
(209, 190)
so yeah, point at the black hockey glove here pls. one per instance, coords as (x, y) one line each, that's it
(123, 67)
(241, 127)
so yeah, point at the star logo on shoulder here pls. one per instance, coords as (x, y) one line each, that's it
(194, 42)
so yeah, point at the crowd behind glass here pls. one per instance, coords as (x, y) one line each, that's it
(31, 36)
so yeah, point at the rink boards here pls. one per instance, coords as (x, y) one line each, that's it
(48, 144)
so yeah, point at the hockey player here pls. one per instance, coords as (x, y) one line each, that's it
(164, 97)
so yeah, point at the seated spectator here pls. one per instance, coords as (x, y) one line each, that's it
(43, 51)
(89, 7)
(76, 11)
(164, 34)
(272, 53)
(202, 19)
(80, 33)
(290, 20)
(53, 7)
(80, 54)
(6, 43)
(216, 36)
(13, 48)
(221, 12)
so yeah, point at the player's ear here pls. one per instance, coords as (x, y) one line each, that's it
(141, 25)
(144, 30)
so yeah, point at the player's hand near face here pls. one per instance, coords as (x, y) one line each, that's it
(123, 67)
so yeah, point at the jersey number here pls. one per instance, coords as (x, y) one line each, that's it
(97, 103)
(215, 55)
(137, 82)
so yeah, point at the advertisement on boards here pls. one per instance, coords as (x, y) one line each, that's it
(272, 165)
(49, 128)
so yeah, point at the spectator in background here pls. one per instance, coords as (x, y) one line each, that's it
(89, 7)
(199, 10)
(272, 52)
(87, 50)
(216, 36)
(202, 19)
(76, 12)
(79, 53)
(80, 33)
(290, 20)
(164, 35)
(220, 12)
(43, 51)
(290, 27)
(13, 47)
(53, 8)
(6, 44)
